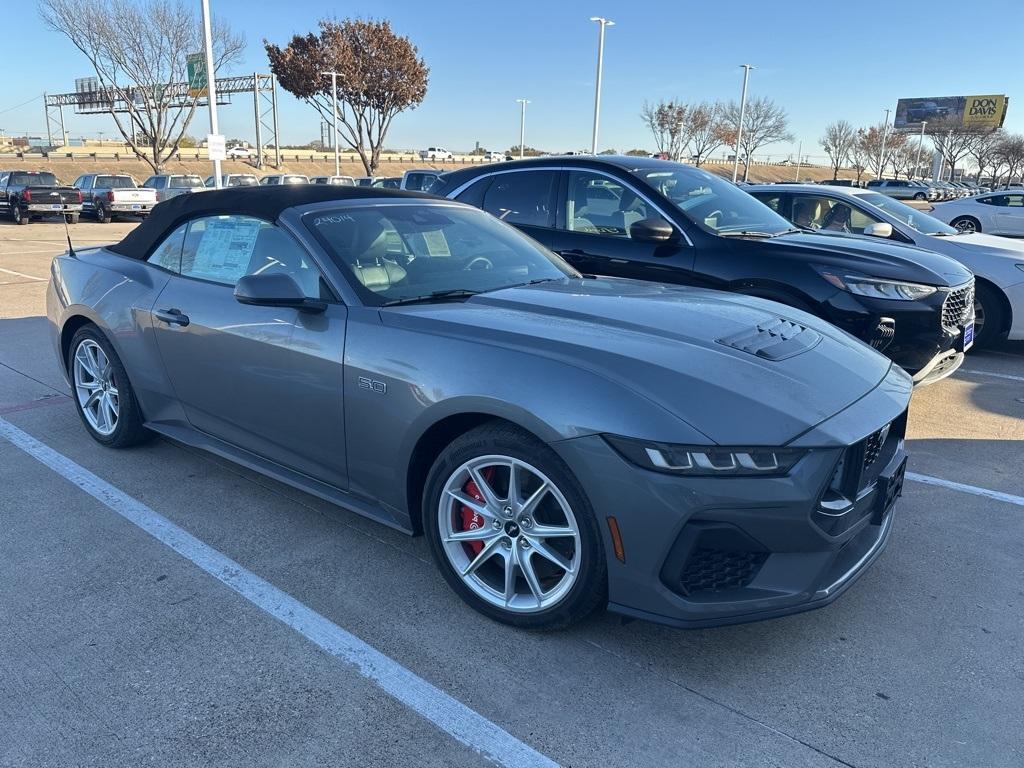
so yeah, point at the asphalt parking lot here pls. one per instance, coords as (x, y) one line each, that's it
(120, 647)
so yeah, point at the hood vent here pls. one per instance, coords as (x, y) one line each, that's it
(775, 339)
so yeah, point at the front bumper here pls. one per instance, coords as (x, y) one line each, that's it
(711, 551)
(913, 334)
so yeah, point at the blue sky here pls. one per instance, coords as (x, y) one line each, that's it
(823, 61)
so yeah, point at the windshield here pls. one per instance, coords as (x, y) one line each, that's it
(399, 252)
(922, 222)
(115, 182)
(294, 180)
(711, 202)
(33, 180)
(185, 182)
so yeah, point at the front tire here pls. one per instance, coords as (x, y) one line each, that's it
(966, 224)
(103, 396)
(989, 315)
(511, 530)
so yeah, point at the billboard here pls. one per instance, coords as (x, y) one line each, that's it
(960, 111)
(90, 96)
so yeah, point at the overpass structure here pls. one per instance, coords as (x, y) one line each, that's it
(91, 98)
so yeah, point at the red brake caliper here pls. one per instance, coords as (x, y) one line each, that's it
(471, 521)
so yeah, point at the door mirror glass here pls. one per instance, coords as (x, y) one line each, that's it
(879, 229)
(274, 289)
(654, 230)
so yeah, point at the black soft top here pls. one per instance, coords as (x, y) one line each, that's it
(261, 202)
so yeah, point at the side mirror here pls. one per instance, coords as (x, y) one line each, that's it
(651, 231)
(879, 229)
(275, 290)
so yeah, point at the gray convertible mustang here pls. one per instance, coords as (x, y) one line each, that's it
(564, 442)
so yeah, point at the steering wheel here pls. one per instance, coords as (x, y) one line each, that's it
(479, 262)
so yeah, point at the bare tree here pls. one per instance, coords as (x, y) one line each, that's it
(904, 159)
(138, 50)
(379, 75)
(764, 123)
(858, 157)
(895, 146)
(983, 148)
(837, 142)
(869, 143)
(952, 140)
(1009, 153)
(667, 123)
(706, 129)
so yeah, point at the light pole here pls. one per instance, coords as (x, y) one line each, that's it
(739, 127)
(920, 146)
(799, 150)
(602, 23)
(211, 85)
(885, 135)
(334, 106)
(522, 127)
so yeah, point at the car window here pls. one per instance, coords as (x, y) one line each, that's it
(912, 217)
(115, 182)
(523, 197)
(773, 201)
(18, 178)
(167, 255)
(598, 205)
(404, 251)
(1013, 201)
(222, 249)
(185, 182)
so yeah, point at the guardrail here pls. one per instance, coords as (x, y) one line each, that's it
(198, 156)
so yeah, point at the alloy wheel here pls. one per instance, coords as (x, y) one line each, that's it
(966, 225)
(509, 534)
(95, 387)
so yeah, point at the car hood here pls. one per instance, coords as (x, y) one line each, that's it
(870, 256)
(999, 246)
(698, 354)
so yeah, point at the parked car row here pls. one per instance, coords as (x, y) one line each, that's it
(931, 191)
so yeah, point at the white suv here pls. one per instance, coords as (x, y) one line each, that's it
(436, 153)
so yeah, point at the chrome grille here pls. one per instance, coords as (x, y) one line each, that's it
(958, 307)
(873, 446)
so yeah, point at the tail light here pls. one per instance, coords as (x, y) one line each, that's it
(79, 194)
(110, 195)
(27, 195)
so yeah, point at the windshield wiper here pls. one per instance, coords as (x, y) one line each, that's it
(755, 233)
(436, 296)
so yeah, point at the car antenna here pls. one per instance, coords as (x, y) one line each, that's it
(67, 231)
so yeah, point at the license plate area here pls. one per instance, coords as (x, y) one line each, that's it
(56, 207)
(136, 207)
(968, 336)
(889, 488)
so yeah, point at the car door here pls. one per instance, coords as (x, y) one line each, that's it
(264, 379)
(595, 213)
(84, 185)
(1009, 214)
(525, 199)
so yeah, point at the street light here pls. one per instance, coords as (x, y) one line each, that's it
(522, 127)
(739, 127)
(602, 23)
(211, 85)
(885, 135)
(334, 106)
(920, 146)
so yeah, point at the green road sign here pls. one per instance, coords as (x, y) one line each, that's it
(196, 67)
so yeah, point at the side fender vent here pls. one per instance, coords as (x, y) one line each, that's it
(775, 339)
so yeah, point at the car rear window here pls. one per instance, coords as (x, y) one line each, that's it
(185, 182)
(33, 179)
(115, 182)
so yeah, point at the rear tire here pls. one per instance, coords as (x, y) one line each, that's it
(990, 315)
(103, 396)
(19, 217)
(103, 216)
(71, 218)
(966, 224)
(919, 196)
(533, 592)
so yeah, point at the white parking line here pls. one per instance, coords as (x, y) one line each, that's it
(1009, 376)
(1009, 498)
(22, 274)
(447, 713)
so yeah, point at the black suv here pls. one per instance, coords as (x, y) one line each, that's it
(672, 223)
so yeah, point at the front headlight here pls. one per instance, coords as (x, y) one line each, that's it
(876, 287)
(707, 461)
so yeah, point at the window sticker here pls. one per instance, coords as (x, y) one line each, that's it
(226, 248)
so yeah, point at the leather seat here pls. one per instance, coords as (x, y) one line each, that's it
(369, 260)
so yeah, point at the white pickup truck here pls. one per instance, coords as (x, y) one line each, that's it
(107, 195)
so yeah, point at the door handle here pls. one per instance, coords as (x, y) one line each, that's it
(171, 316)
(572, 252)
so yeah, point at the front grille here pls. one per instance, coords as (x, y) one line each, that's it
(958, 307)
(873, 446)
(716, 570)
